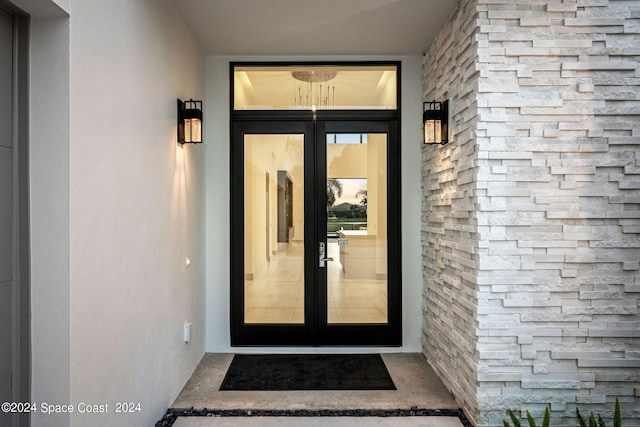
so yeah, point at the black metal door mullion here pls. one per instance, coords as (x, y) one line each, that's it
(321, 232)
(311, 247)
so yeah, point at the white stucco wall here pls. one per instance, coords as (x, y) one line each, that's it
(41, 9)
(49, 203)
(217, 221)
(136, 210)
(49, 182)
(116, 207)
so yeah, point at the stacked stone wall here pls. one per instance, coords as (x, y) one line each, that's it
(558, 207)
(553, 191)
(449, 225)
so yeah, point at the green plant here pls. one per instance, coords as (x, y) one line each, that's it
(532, 422)
(599, 422)
(592, 420)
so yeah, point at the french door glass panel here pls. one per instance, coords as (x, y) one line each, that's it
(357, 280)
(356, 229)
(315, 246)
(274, 247)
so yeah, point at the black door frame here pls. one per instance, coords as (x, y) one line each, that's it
(389, 334)
(315, 125)
(259, 334)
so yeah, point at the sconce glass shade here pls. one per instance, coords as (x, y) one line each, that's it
(435, 118)
(189, 121)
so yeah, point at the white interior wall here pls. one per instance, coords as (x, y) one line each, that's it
(269, 154)
(218, 196)
(346, 161)
(137, 209)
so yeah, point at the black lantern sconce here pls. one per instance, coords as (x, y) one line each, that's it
(189, 122)
(436, 122)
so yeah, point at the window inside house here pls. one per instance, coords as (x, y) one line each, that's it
(315, 87)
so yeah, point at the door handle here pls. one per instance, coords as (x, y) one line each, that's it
(322, 248)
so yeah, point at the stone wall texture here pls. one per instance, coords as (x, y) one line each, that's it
(531, 216)
(449, 221)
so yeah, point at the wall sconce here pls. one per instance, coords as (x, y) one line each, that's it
(189, 122)
(436, 120)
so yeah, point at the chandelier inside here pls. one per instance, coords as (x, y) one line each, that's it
(314, 89)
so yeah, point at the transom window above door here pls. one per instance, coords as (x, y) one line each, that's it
(315, 87)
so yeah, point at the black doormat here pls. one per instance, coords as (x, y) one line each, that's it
(271, 372)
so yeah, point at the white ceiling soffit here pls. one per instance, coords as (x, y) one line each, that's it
(314, 27)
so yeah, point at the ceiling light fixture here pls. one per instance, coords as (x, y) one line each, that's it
(313, 90)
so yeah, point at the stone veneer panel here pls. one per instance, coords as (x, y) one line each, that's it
(449, 224)
(537, 256)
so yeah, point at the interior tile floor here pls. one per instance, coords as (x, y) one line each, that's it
(416, 383)
(275, 292)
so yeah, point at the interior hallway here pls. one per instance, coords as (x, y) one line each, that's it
(276, 292)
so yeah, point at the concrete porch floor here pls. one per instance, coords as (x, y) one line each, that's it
(417, 386)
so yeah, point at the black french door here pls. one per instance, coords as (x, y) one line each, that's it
(315, 250)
